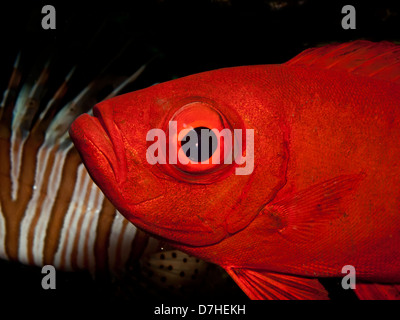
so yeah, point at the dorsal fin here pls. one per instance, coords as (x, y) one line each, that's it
(380, 60)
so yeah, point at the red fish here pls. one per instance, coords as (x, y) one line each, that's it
(325, 189)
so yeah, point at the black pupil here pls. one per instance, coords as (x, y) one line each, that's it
(212, 144)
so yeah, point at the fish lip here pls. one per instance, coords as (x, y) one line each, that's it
(89, 138)
(105, 118)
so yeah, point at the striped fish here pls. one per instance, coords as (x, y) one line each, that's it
(51, 212)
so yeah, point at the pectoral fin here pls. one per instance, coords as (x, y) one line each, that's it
(301, 215)
(261, 285)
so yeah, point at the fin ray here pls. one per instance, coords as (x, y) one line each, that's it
(379, 60)
(306, 211)
(375, 291)
(260, 285)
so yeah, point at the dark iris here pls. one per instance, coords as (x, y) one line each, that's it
(212, 144)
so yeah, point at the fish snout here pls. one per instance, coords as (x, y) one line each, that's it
(106, 119)
(135, 183)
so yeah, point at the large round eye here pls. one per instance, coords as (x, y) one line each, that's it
(200, 139)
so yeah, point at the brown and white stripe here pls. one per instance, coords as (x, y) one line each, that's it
(51, 212)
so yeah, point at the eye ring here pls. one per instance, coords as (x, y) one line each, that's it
(189, 117)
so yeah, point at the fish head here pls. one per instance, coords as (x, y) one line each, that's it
(162, 188)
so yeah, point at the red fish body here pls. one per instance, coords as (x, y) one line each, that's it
(325, 189)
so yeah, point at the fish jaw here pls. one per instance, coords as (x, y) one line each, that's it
(105, 118)
(96, 151)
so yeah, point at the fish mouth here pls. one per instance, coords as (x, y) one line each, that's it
(95, 139)
(105, 118)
